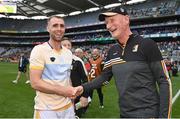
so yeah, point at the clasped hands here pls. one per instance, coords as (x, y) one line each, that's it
(73, 92)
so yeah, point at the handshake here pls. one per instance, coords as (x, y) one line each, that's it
(73, 92)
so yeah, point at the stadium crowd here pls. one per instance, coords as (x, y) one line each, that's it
(147, 9)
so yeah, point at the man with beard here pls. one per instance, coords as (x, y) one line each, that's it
(50, 66)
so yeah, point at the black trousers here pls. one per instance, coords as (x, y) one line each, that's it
(100, 95)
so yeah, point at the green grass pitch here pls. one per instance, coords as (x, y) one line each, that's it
(17, 100)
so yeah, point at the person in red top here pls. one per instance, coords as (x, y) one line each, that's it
(96, 68)
(168, 66)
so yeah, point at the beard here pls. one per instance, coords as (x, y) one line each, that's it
(56, 37)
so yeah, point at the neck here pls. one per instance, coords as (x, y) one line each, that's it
(55, 44)
(124, 37)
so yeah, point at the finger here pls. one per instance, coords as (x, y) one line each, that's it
(72, 97)
(77, 91)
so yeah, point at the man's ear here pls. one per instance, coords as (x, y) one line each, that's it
(127, 19)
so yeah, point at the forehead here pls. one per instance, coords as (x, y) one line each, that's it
(95, 51)
(56, 20)
(78, 51)
(65, 42)
(118, 17)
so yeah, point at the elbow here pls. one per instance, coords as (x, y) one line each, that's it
(35, 85)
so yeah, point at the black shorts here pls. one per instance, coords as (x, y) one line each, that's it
(22, 69)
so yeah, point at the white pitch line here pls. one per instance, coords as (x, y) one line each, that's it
(176, 96)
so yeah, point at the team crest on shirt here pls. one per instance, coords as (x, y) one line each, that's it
(52, 59)
(135, 48)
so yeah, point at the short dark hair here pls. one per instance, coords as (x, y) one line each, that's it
(66, 38)
(54, 16)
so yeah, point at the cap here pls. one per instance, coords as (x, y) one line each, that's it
(112, 12)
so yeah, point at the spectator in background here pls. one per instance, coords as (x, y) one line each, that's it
(78, 77)
(138, 68)
(97, 65)
(22, 68)
(168, 66)
(79, 53)
(174, 69)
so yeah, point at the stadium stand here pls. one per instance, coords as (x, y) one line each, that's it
(158, 20)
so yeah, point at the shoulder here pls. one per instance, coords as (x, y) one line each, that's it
(77, 59)
(148, 45)
(39, 51)
(67, 51)
(40, 47)
(151, 50)
(142, 41)
(137, 39)
(148, 42)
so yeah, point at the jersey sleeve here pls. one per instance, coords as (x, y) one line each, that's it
(36, 58)
(82, 72)
(160, 74)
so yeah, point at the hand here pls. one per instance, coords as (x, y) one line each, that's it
(70, 92)
(84, 101)
(78, 90)
(73, 92)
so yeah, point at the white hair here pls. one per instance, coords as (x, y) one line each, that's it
(78, 50)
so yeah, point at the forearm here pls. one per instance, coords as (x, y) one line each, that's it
(96, 83)
(85, 94)
(46, 87)
(38, 84)
(165, 100)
